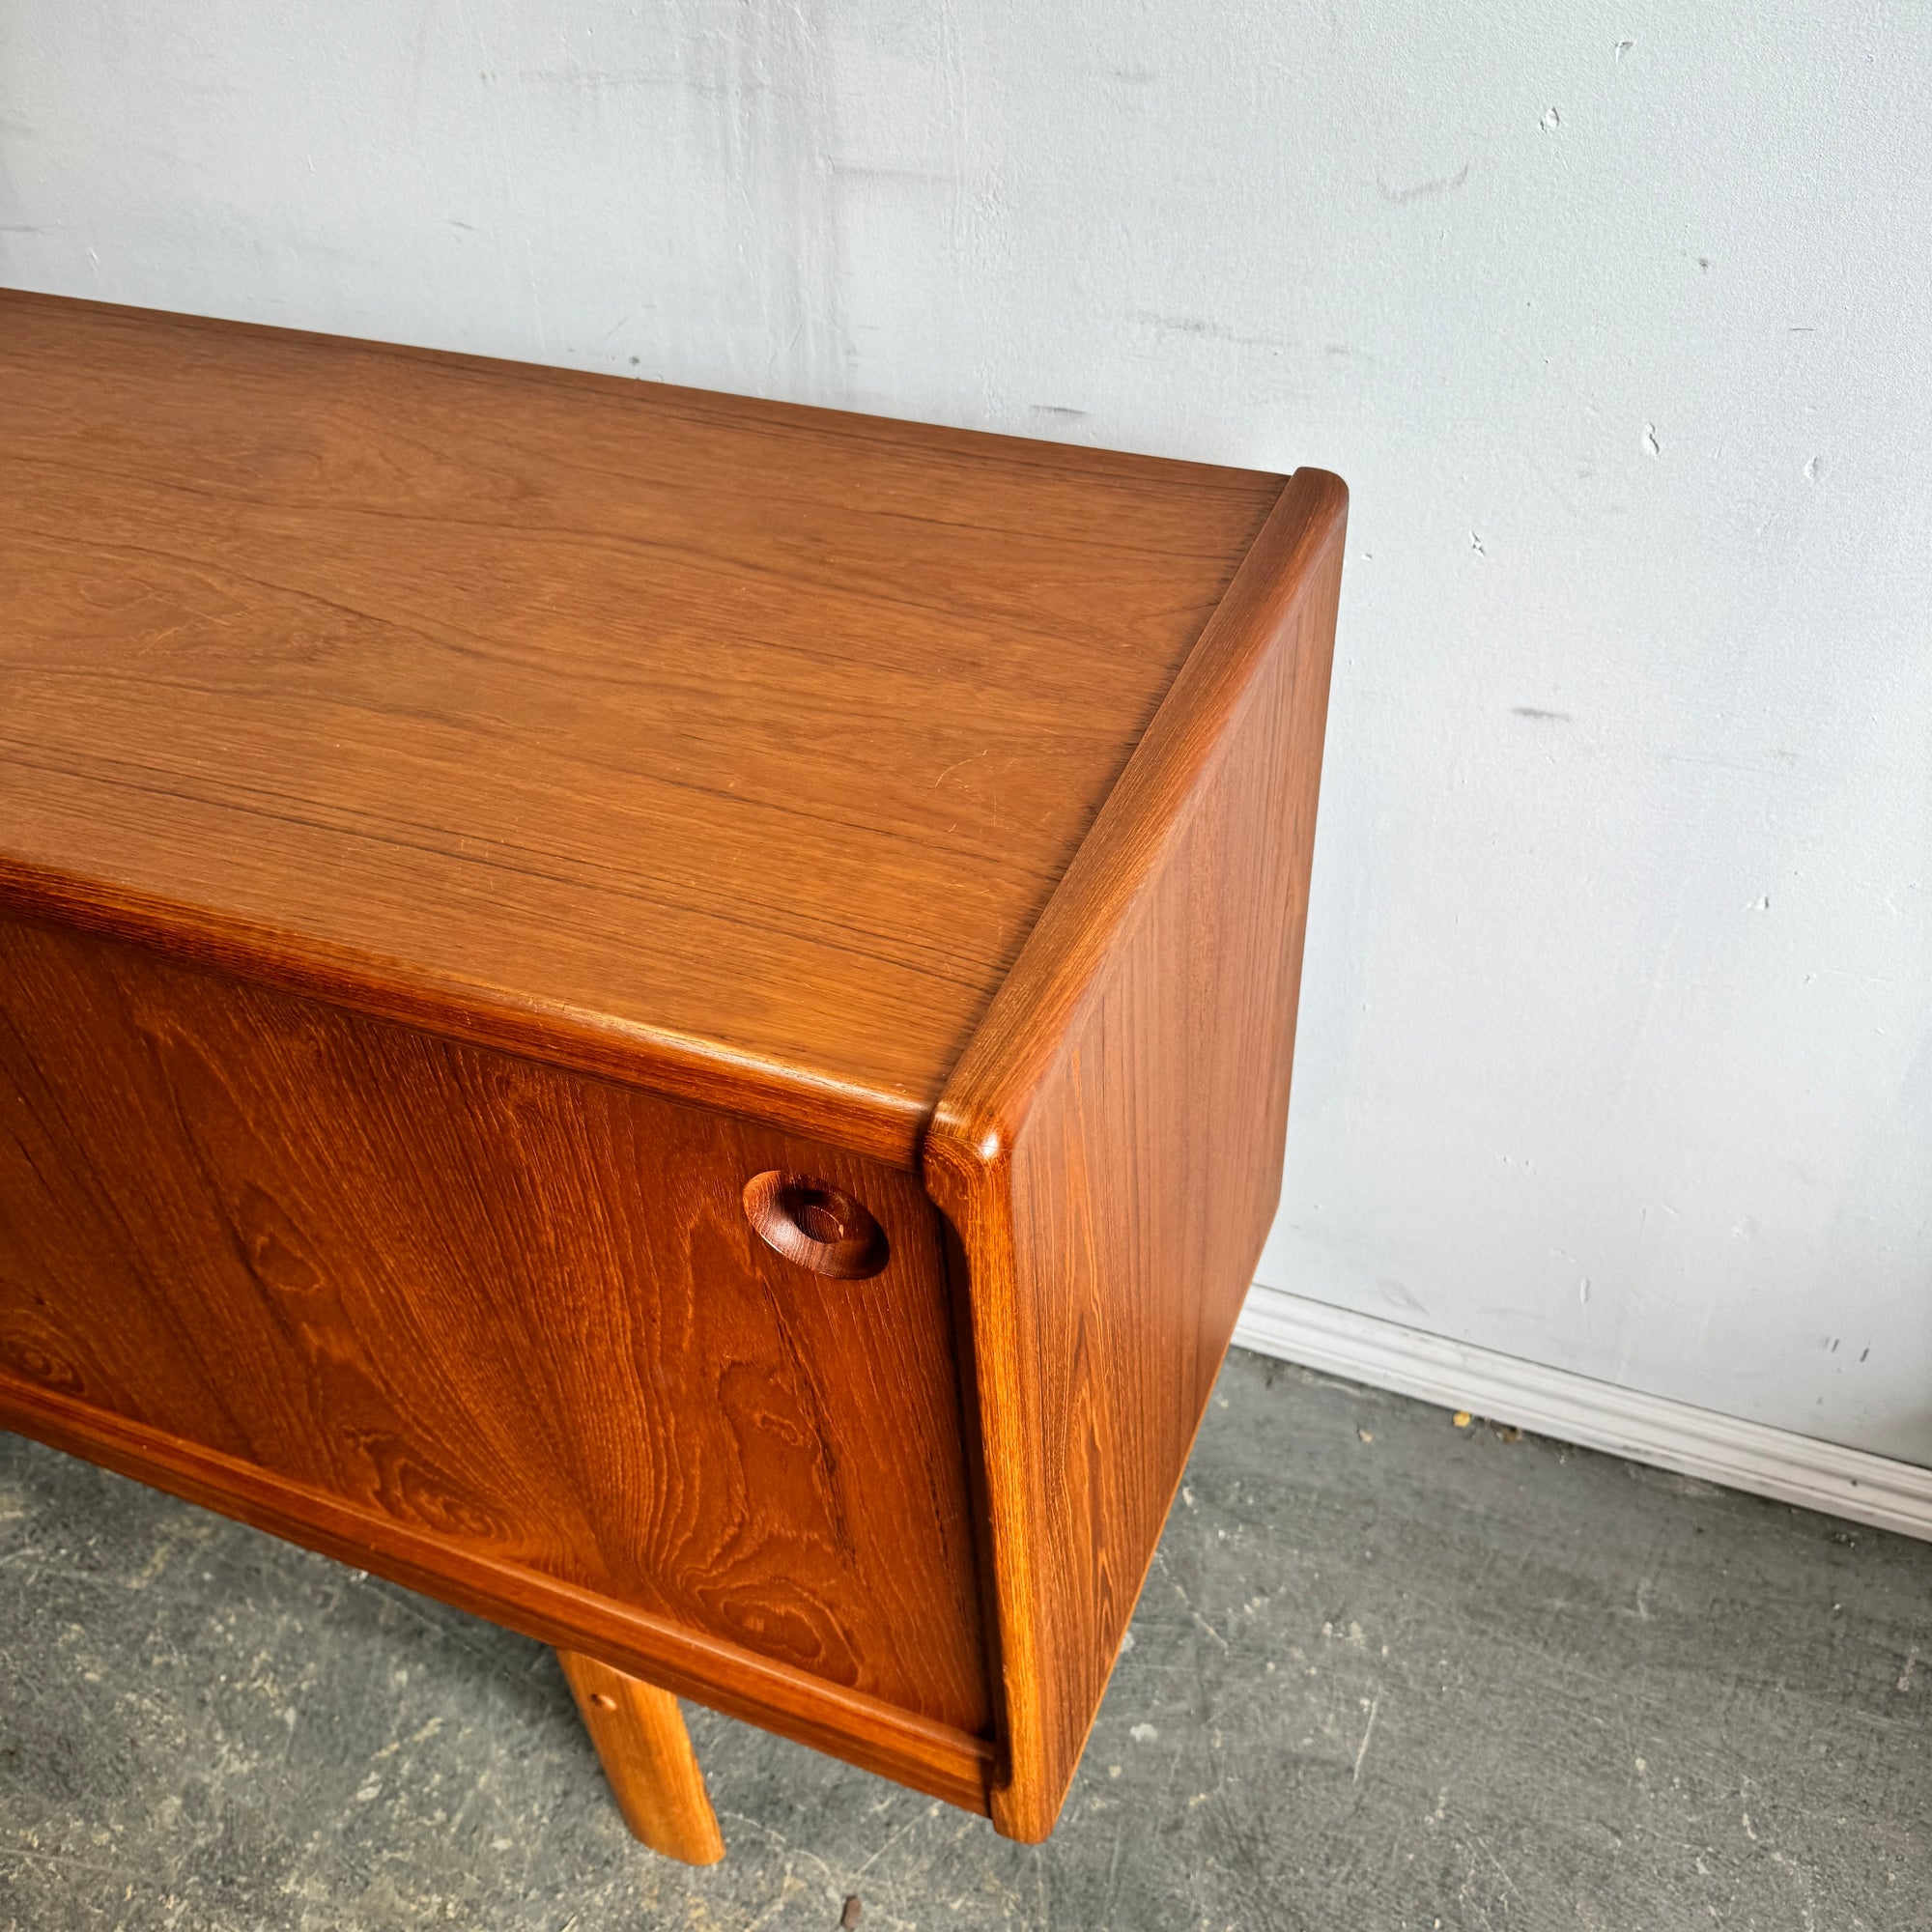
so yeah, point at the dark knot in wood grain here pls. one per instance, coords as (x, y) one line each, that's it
(815, 1225)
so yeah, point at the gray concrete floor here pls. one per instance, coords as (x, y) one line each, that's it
(1385, 1674)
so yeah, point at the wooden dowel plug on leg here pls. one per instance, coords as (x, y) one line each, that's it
(646, 1754)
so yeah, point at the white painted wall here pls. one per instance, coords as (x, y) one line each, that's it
(1617, 1040)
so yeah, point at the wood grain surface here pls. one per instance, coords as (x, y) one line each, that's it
(935, 1758)
(474, 839)
(845, 1724)
(725, 747)
(1109, 1148)
(647, 1755)
(516, 1310)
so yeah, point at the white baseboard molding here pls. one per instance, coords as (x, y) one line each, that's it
(1598, 1415)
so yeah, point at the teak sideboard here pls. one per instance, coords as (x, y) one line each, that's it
(667, 1017)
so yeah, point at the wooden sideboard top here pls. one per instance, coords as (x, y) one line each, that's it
(724, 746)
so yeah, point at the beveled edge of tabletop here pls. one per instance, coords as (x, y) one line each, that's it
(870, 1121)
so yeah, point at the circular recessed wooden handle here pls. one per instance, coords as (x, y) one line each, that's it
(815, 1225)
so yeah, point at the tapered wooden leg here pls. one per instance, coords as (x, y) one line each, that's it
(640, 1736)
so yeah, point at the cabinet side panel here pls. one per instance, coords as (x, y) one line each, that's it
(1112, 1166)
(517, 1312)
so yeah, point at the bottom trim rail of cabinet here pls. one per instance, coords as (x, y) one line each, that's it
(935, 1758)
